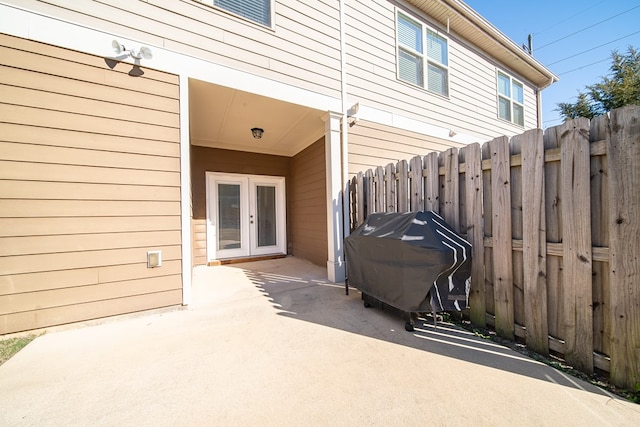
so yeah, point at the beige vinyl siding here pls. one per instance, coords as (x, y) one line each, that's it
(308, 206)
(89, 182)
(471, 106)
(372, 145)
(199, 239)
(293, 52)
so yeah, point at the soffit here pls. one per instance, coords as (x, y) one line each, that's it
(222, 117)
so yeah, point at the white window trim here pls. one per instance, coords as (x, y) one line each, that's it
(272, 16)
(511, 99)
(425, 58)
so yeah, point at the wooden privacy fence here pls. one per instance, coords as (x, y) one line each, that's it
(554, 220)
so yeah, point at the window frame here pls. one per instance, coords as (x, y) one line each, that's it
(211, 3)
(511, 99)
(426, 61)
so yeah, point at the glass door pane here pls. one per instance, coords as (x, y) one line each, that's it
(229, 220)
(266, 215)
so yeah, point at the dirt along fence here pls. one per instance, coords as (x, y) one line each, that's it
(554, 220)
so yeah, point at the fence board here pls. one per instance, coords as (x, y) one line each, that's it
(380, 202)
(451, 189)
(353, 203)
(553, 207)
(534, 250)
(360, 195)
(402, 186)
(417, 182)
(472, 157)
(462, 191)
(501, 221)
(488, 229)
(576, 239)
(369, 191)
(623, 152)
(431, 188)
(599, 132)
(390, 188)
(515, 184)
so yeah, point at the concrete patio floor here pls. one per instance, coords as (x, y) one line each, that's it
(275, 343)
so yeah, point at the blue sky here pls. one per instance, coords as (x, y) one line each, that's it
(552, 24)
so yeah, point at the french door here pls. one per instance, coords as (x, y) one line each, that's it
(245, 215)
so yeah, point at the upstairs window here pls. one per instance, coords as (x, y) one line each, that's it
(423, 56)
(255, 10)
(510, 99)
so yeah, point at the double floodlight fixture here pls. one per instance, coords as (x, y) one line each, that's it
(120, 49)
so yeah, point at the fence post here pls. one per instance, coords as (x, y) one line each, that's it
(576, 244)
(623, 152)
(502, 246)
(534, 242)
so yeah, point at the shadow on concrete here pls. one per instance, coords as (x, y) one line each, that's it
(313, 299)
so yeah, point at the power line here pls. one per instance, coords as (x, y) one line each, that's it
(568, 18)
(593, 48)
(586, 28)
(551, 121)
(584, 66)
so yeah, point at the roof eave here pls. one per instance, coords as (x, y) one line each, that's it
(489, 39)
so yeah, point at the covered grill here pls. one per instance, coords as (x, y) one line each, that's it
(412, 261)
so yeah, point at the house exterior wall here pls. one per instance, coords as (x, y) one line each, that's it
(308, 210)
(470, 108)
(292, 52)
(372, 145)
(89, 182)
(204, 160)
(141, 129)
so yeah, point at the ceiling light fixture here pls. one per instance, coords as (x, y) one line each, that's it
(257, 132)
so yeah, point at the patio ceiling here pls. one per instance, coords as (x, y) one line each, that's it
(222, 117)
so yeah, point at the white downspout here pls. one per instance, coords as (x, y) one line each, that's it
(344, 123)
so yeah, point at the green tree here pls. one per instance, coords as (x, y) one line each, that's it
(581, 108)
(621, 87)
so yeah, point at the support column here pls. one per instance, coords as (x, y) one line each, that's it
(185, 190)
(335, 250)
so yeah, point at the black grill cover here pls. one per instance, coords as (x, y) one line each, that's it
(401, 258)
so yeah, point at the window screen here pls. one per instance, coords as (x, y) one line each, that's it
(256, 10)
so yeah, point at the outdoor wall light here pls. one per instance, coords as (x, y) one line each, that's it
(257, 132)
(143, 53)
(352, 114)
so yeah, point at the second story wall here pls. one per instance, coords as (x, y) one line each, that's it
(471, 105)
(300, 48)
